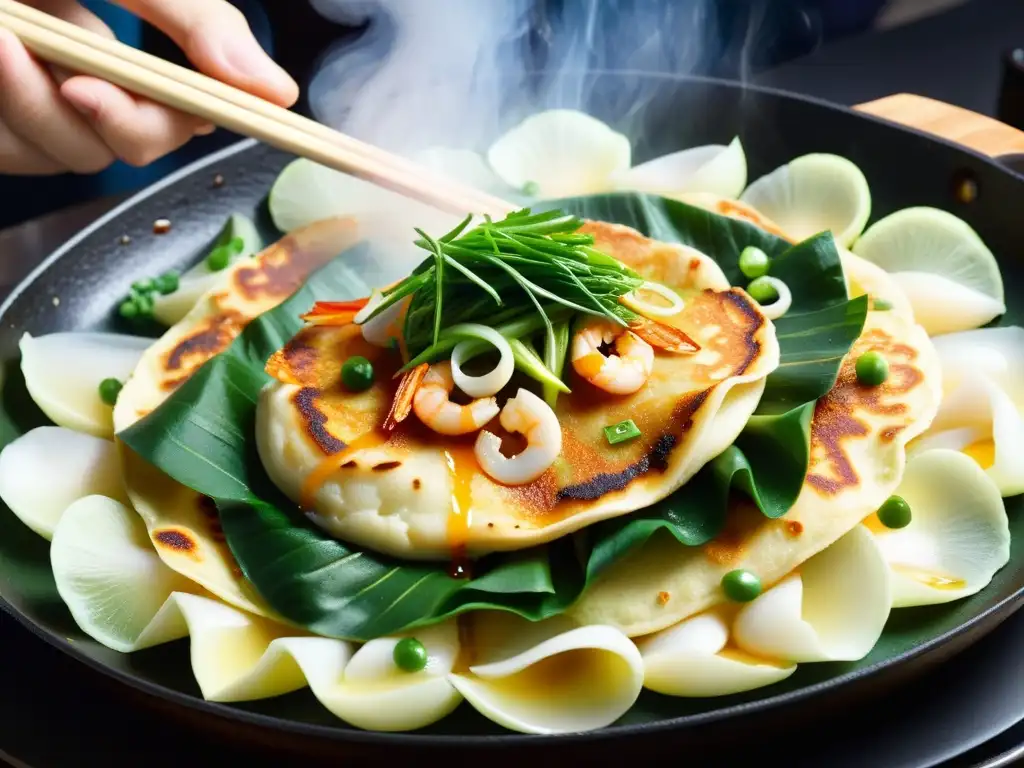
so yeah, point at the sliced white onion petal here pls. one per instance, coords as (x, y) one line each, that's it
(111, 579)
(47, 469)
(63, 372)
(634, 302)
(995, 352)
(782, 303)
(690, 659)
(530, 416)
(833, 609)
(943, 306)
(492, 382)
(562, 152)
(981, 409)
(551, 676)
(958, 536)
(385, 327)
(714, 168)
(376, 695)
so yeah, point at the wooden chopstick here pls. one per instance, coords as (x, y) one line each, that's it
(80, 50)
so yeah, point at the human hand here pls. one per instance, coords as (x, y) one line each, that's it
(52, 121)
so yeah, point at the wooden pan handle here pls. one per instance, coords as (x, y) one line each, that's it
(978, 132)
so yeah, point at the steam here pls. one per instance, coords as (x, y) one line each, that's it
(456, 73)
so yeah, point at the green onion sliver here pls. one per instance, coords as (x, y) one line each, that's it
(621, 432)
(490, 383)
(633, 301)
(529, 362)
(762, 289)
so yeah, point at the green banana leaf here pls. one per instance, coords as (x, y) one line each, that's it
(202, 436)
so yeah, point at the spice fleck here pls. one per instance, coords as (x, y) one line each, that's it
(161, 226)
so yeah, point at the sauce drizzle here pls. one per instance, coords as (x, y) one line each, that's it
(462, 468)
(315, 479)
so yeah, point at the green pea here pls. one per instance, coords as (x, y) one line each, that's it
(741, 586)
(762, 291)
(531, 188)
(872, 369)
(143, 286)
(357, 374)
(881, 305)
(143, 303)
(410, 654)
(219, 258)
(128, 309)
(237, 245)
(167, 283)
(754, 262)
(894, 513)
(109, 390)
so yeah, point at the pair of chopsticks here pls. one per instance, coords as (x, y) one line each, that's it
(77, 49)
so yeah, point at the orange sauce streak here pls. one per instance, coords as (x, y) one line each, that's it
(983, 452)
(315, 479)
(463, 468)
(873, 524)
(589, 365)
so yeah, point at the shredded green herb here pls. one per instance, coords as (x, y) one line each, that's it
(526, 274)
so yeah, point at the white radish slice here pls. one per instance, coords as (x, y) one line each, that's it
(63, 372)
(465, 166)
(46, 470)
(492, 382)
(560, 153)
(958, 536)
(980, 419)
(997, 353)
(813, 193)
(943, 306)
(375, 694)
(110, 578)
(122, 595)
(833, 609)
(715, 169)
(692, 659)
(551, 676)
(923, 239)
(863, 277)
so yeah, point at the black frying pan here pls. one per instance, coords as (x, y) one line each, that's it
(90, 274)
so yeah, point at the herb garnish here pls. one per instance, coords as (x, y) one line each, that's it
(525, 273)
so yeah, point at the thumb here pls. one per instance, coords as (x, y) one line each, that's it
(217, 40)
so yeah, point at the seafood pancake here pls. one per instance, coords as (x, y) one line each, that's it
(858, 452)
(408, 495)
(182, 524)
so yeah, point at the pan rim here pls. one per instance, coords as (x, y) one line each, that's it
(998, 611)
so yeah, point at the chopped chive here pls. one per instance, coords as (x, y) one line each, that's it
(531, 188)
(621, 432)
(144, 304)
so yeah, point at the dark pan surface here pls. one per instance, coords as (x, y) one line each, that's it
(94, 271)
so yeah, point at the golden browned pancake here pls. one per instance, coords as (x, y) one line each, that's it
(858, 452)
(407, 496)
(182, 524)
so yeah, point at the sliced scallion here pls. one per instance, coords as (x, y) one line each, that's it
(621, 432)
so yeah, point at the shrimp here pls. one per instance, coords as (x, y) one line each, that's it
(433, 407)
(622, 373)
(531, 417)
